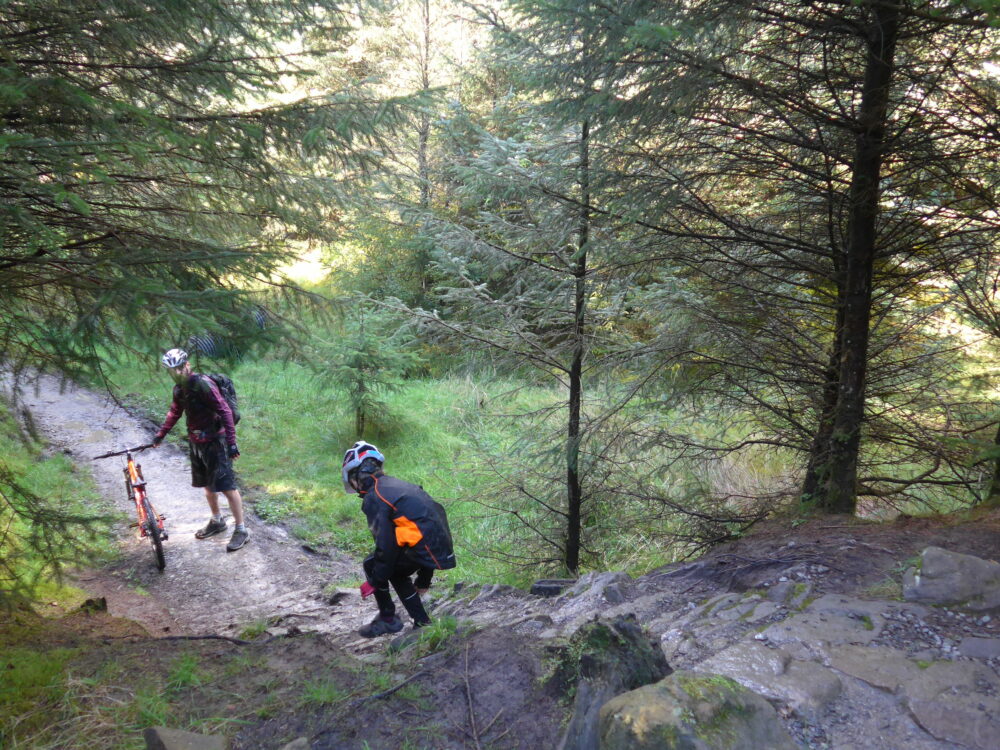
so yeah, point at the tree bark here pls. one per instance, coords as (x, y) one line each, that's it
(840, 494)
(574, 491)
(993, 496)
(818, 468)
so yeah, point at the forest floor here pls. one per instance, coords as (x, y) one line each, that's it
(260, 644)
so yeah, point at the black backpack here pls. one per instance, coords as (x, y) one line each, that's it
(228, 391)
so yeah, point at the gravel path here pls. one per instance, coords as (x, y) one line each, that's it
(204, 589)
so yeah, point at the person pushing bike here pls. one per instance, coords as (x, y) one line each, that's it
(411, 536)
(212, 441)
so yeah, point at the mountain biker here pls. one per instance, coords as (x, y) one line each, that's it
(212, 441)
(411, 536)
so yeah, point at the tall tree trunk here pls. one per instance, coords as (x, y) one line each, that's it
(424, 127)
(993, 496)
(840, 494)
(574, 491)
(423, 138)
(818, 468)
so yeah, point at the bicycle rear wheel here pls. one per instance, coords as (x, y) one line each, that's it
(154, 534)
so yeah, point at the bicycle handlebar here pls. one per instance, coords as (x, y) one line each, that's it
(122, 453)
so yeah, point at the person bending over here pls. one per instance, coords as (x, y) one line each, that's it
(411, 537)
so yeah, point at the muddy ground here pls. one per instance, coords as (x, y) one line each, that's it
(203, 589)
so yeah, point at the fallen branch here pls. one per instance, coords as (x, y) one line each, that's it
(385, 693)
(236, 641)
(375, 696)
(468, 697)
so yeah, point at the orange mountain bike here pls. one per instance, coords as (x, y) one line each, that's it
(150, 522)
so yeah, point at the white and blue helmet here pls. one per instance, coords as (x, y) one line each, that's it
(174, 358)
(355, 456)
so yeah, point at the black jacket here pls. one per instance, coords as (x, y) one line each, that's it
(405, 523)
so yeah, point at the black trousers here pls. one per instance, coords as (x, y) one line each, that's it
(401, 581)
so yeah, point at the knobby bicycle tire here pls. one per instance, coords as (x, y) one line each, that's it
(153, 531)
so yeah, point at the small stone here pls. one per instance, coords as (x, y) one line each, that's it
(161, 738)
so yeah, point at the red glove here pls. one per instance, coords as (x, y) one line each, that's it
(367, 590)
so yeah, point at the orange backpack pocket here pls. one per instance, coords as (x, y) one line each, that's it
(407, 533)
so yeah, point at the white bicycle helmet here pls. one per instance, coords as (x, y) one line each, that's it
(354, 457)
(174, 358)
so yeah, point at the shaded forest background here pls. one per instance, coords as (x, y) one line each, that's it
(614, 281)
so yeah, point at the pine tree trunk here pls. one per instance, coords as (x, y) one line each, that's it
(993, 497)
(818, 468)
(840, 494)
(424, 128)
(423, 138)
(574, 491)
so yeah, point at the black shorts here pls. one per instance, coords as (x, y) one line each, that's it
(211, 466)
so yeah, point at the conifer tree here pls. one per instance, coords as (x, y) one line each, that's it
(797, 184)
(156, 160)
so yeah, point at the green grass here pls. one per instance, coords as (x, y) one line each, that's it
(293, 434)
(322, 692)
(184, 673)
(33, 557)
(33, 684)
(295, 429)
(433, 637)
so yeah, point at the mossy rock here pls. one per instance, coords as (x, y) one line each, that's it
(604, 658)
(691, 711)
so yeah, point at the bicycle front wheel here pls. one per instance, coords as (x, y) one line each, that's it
(154, 533)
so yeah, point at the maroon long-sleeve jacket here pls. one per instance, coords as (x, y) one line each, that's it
(208, 414)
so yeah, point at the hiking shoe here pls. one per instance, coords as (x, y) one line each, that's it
(237, 540)
(378, 627)
(211, 529)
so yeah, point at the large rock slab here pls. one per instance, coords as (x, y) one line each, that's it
(772, 672)
(830, 620)
(691, 711)
(955, 701)
(954, 579)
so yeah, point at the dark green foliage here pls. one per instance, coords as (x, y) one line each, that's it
(157, 161)
(739, 127)
(149, 188)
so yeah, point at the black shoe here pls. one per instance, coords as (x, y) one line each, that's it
(378, 627)
(212, 528)
(238, 539)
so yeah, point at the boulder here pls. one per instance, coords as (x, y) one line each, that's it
(952, 578)
(604, 659)
(805, 686)
(161, 738)
(689, 711)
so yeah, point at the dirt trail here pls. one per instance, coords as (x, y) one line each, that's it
(204, 589)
